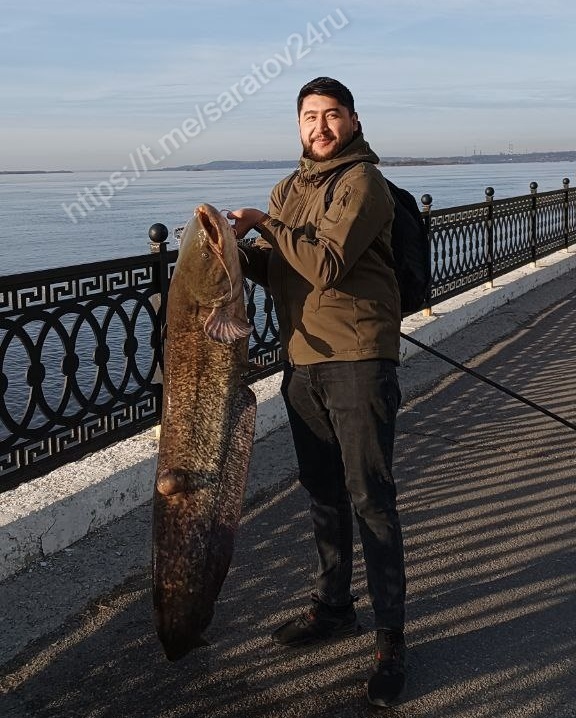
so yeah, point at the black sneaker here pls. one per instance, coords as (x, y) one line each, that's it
(386, 683)
(321, 622)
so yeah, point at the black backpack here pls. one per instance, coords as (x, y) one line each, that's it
(410, 245)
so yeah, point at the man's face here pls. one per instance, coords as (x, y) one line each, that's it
(325, 127)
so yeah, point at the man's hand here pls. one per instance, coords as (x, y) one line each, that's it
(244, 220)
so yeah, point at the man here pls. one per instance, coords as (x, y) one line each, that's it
(330, 272)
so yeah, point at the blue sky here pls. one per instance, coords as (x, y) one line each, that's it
(84, 84)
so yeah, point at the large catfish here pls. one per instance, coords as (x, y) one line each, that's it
(207, 430)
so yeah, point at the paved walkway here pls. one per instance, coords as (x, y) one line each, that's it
(487, 498)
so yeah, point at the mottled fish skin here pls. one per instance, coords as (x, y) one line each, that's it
(207, 430)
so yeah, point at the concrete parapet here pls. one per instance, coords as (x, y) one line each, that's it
(52, 512)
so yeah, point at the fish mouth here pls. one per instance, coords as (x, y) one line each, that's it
(205, 217)
(211, 220)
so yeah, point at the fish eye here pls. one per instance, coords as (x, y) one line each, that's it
(204, 255)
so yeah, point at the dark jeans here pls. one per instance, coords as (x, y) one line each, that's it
(342, 416)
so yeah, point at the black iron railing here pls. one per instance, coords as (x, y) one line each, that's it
(79, 353)
(473, 244)
(80, 347)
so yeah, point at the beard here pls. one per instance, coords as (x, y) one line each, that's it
(309, 152)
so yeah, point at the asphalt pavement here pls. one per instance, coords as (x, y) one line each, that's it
(487, 498)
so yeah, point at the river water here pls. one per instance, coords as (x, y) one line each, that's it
(37, 212)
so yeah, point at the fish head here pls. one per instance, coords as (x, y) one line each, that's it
(209, 275)
(208, 256)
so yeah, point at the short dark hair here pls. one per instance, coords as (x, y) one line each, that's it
(330, 87)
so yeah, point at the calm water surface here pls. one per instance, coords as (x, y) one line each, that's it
(36, 232)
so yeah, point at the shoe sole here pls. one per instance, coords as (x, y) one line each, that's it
(355, 630)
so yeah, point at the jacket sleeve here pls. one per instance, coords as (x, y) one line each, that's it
(362, 209)
(254, 256)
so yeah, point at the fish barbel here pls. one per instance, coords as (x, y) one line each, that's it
(207, 429)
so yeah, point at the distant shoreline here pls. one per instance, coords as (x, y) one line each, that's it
(564, 156)
(478, 159)
(35, 172)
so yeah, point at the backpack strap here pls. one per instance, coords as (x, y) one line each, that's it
(332, 181)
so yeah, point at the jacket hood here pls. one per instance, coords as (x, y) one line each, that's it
(358, 150)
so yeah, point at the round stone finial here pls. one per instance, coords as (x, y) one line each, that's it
(533, 186)
(566, 182)
(426, 200)
(489, 191)
(158, 233)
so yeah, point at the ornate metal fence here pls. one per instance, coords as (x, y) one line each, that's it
(473, 244)
(80, 347)
(79, 354)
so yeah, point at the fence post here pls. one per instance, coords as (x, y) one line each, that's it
(158, 233)
(534, 221)
(566, 183)
(426, 200)
(489, 236)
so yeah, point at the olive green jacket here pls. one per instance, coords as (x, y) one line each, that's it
(331, 272)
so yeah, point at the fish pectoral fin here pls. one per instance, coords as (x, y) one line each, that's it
(170, 482)
(225, 327)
